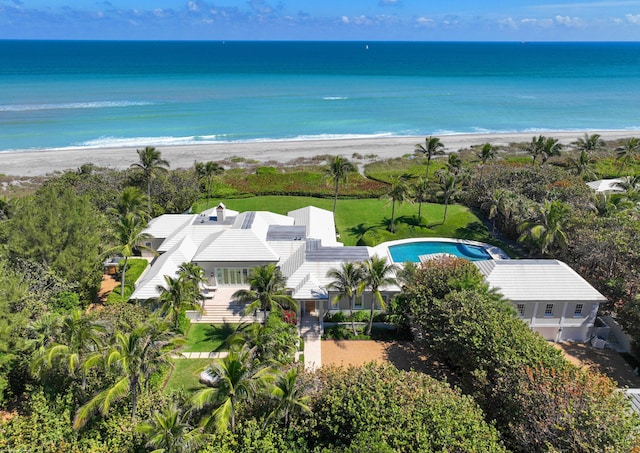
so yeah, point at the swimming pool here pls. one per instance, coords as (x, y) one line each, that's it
(411, 251)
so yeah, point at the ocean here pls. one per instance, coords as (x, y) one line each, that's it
(97, 94)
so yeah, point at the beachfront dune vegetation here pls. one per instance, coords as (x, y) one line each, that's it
(66, 356)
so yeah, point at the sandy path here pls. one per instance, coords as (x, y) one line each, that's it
(34, 163)
(403, 355)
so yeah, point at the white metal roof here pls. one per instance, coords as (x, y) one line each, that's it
(320, 224)
(606, 185)
(167, 224)
(165, 264)
(537, 280)
(236, 245)
(197, 233)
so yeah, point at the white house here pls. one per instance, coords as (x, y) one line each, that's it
(227, 245)
(548, 295)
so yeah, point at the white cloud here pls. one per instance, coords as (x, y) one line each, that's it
(633, 19)
(344, 19)
(508, 23)
(425, 22)
(192, 6)
(569, 21)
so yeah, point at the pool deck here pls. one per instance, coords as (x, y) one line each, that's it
(496, 253)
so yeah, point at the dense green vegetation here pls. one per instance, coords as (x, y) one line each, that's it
(76, 375)
(539, 401)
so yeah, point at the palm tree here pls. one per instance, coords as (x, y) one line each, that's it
(289, 395)
(398, 193)
(582, 165)
(129, 236)
(551, 147)
(487, 152)
(167, 431)
(132, 201)
(150, 164)
(235, 379)
(454, 163)
(176, 295)
(630, 148)
(547, 231)
(590, 143)
(449, 188)
(338, 171)
(432, 147)
(133, 357)
(536, 147)
(208, 171)
(421, 194)
(377, 272)
(346, 281)
(266, 291)
(78, 347)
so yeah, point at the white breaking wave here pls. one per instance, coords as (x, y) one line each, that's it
(127, 142)
(335, 98)
(124, 142)
(70, 106)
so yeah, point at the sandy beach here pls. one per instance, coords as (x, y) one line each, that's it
(42, 162)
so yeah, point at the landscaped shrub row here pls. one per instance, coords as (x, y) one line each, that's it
(358, 316)
(344, 332)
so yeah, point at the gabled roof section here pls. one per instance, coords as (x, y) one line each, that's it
(537, 280)
(197, 233)
(319, 224)
(236, 245)
(167, 224)
(166, 264)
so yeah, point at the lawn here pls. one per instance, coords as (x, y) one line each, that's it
(185, 374)
(366, 219)
(135, 268)
(208, 337)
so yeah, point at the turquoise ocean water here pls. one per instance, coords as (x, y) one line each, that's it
(59, 94)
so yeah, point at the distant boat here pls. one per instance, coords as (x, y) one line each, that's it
(366, 46)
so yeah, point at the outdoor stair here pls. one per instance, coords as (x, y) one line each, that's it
(221, 308)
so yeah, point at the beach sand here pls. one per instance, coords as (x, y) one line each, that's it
(42, 162)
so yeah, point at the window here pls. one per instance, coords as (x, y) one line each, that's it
(358, 300)
(520, 308)
(578, 310)
(548, 310)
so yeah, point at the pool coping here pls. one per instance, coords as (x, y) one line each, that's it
(495, 252)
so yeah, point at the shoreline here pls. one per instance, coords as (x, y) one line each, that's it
(43, 162)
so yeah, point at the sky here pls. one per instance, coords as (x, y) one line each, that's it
(359, 20)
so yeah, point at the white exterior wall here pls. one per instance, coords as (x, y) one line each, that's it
(563, 325)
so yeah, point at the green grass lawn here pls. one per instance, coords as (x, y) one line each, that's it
(135, 268)
(185, 374)
(208, 337)
(369, 218)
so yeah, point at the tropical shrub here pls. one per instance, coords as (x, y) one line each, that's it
(402, 411)
(479, 336)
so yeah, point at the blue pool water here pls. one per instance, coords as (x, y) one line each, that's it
(411, 251)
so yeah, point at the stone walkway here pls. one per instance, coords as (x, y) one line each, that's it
(311, 333)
